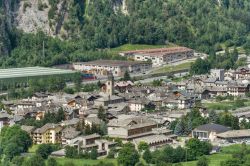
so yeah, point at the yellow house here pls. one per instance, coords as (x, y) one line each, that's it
(49, 133)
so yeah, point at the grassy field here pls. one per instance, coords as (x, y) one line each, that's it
(224, 105)
(214, 159)
(82, 162)
(128, 47)
(33, 148)
(173, 68)
(233, 149)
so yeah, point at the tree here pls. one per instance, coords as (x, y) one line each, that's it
(143, 146)
(213, 117)
(44, 150)
(93, 154)
(239, 103)
(111, 153)
(13, 141)
(128, 156)
(180, 127)
(203, 161)
(102, 114)
(168, 153)
(51, 162)
(179, 154)
(126, 76)
(11, 150)
(200, 67)
(157, 82)
(71, 152)
(77, 81)
(34, 160)
(17, 160)
(189, 126)
(147, 156)
(231, 162)
(103, 128)
(197, 148)
(60, 116)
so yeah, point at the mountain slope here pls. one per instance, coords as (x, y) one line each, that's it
(85, 25)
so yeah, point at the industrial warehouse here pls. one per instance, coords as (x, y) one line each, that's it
(160, 56)
(13, 76)
(118, 68)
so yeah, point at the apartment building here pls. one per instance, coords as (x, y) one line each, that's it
(49, 133)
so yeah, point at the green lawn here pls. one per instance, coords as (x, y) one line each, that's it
(225, 105)
(82, 162)
(214, 159)
(128, 47)
(233, 149)
(173, 68)
(33, 148)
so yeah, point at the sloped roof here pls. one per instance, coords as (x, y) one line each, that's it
(211, 127)
(235, 134)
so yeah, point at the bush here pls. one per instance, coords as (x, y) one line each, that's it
(71, 152)
(93, 154)
(69, 90)
(203, 161)
(44, 150)
(52, 162)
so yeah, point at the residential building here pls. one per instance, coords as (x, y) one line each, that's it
(5, 119)
(129, 128)
(208, 131)
(235, 136)
(68, 135)
(49, 133)
(242, 73)
(139, 104)
(238, 89)
(178, 99)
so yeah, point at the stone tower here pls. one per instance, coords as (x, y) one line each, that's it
(110, 84)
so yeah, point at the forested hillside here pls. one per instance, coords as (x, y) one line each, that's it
(88, 26)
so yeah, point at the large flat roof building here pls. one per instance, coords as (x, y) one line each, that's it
(22, 75)
(31, 72)
(118, 68)
(160, 56)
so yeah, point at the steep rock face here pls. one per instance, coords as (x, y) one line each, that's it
(33, 15)
(29, 18)
(6, 23)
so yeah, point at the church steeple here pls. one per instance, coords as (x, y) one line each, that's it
(110, 84)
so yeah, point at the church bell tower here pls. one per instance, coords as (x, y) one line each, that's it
(110, 84)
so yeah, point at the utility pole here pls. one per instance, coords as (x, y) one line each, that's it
(43, 50)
